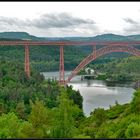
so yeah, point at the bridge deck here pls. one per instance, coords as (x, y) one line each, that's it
(67, 43)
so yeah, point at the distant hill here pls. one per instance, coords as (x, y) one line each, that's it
(134, 37)
(19, 35)
(102, 37)
(110, 37)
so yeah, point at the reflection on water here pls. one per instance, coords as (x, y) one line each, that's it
(98, 93)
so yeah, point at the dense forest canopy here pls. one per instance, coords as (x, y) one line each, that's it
(126, 69)
(37, 108)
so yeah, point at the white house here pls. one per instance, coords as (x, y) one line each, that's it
(89, 71)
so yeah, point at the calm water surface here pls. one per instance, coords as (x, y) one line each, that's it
(97, 93)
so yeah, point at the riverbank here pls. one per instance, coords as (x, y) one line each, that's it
(98, 93)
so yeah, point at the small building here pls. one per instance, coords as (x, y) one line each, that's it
(90, 71)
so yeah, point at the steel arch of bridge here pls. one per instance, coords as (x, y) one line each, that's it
(100, 52)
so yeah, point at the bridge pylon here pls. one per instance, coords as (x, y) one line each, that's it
(27, 61)
(61, 67)
(94, 51)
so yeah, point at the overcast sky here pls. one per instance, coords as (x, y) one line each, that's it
(59, 19)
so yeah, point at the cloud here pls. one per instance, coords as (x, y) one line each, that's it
(60, 24)
(129, 20)
(133, 27)
(61, 20)
(7, 21)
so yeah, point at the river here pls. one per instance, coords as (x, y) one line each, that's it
(97, 93)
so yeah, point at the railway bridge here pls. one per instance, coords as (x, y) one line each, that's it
(107, 47)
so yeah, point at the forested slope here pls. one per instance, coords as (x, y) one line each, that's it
(126, 69)
(35, 108)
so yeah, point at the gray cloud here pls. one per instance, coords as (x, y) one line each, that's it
(129, 20)
(62, 24)
(13, 22)
(133, 27)
(62, 20)
(59, 21)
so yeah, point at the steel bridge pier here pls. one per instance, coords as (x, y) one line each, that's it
(27, 61)
(61, 67)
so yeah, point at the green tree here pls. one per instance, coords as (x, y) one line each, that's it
(20, 110)
(9, 126)
(100, 116)
(64, 127)
(75, 96)
(135, 104)
(133, 130)
(2, 109)
(39, 121)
